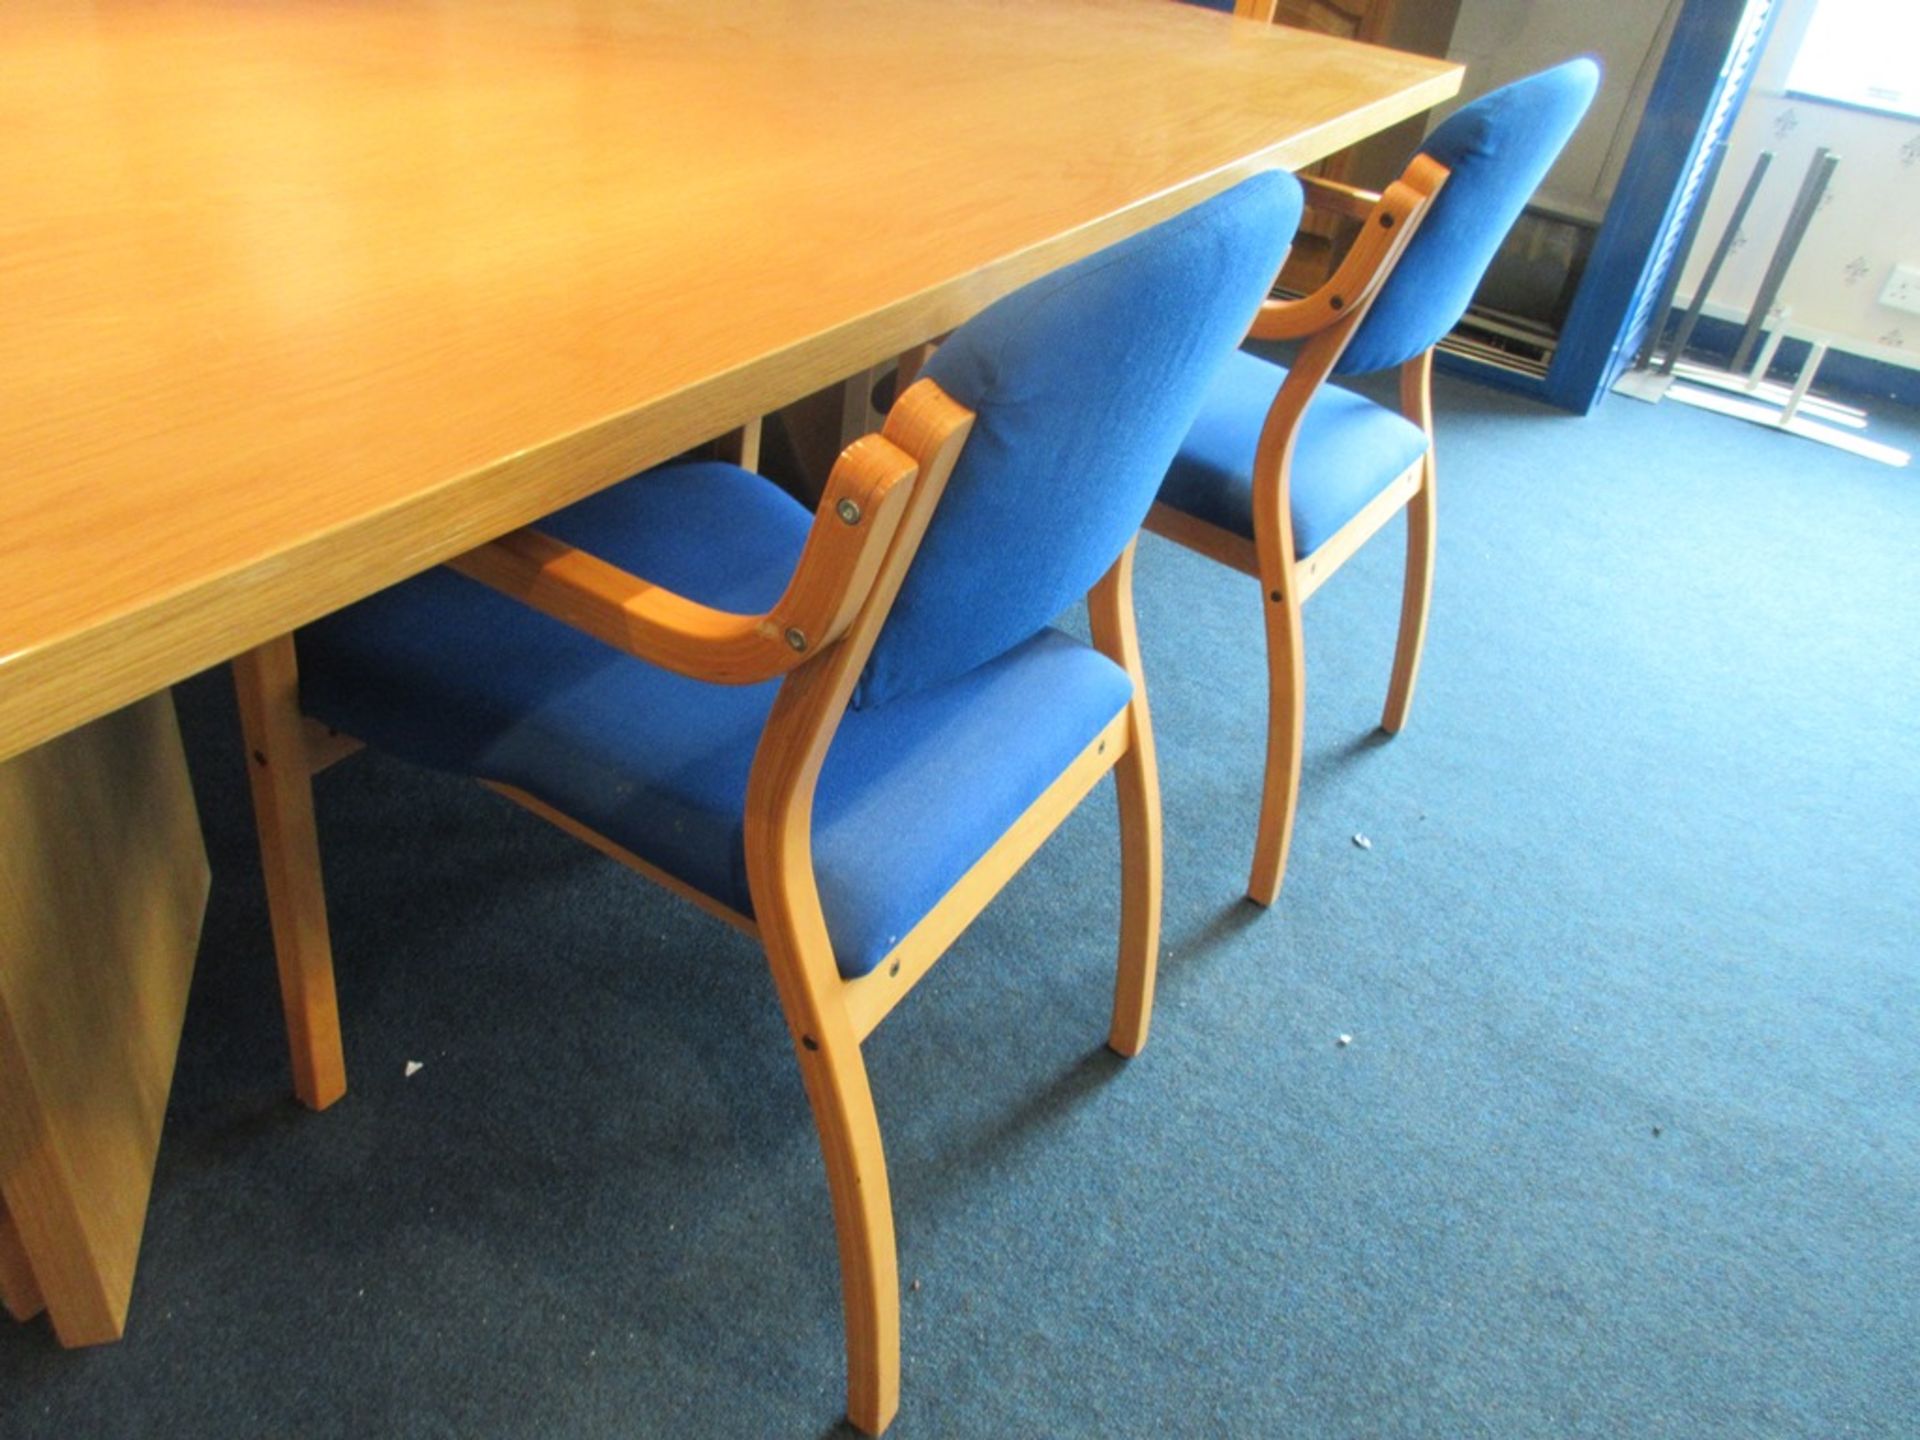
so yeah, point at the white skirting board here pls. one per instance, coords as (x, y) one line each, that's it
(1793, 408)
(1803, 425)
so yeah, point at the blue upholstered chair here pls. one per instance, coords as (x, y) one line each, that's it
(842, 732)
(1284, 476)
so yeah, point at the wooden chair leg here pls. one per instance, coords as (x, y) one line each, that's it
(1137, 784)
(1416, 403)
(800, 956)
(279, 770)
(1286, 724)
(1415, 600)
(835, 1076)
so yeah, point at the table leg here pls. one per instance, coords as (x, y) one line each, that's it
(857, 415)
(819, 426)
(103, 886)
(19, 1292)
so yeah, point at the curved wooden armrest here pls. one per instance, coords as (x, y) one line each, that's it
(1337, 199)
(1388, 226)
(859, 513)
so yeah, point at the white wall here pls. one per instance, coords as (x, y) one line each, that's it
(1869, 221)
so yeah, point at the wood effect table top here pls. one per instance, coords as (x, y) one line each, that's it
(298, 298)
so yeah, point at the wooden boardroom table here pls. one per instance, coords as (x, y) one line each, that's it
(299, 298)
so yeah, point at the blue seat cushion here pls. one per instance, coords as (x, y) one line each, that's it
(447, 673)
(1348, 450)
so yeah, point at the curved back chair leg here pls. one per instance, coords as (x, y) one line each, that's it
(266, 682)
(1136, 780)
(1416, 403)
(1286, 723)
(800, 954)
(835, 1075)
(1415, 599)
(928, 429)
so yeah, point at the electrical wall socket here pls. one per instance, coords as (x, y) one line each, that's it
(1902, 290)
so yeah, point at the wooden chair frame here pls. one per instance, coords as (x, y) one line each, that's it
(879, 501)
(1325, 321)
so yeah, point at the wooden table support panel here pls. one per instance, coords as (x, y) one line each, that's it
(103, 885)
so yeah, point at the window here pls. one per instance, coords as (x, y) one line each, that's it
(1861, 52)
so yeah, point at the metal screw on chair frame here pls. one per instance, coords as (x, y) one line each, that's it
(796, 637)
(848, 511)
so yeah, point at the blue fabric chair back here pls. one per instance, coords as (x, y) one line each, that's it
(1083, 384)
(1499, 148)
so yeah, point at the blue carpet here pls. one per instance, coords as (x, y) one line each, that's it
(1625, 1142)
